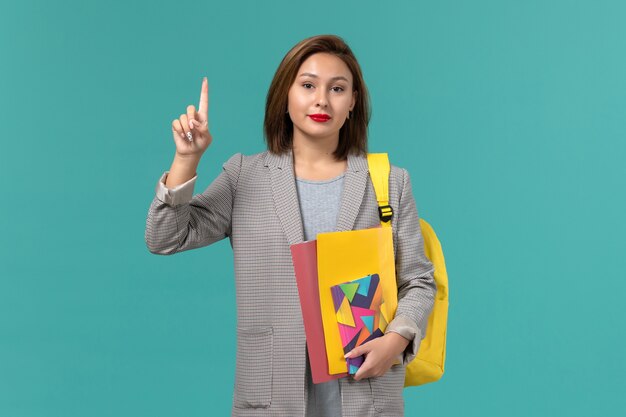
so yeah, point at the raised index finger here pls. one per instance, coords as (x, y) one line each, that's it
(203, 108)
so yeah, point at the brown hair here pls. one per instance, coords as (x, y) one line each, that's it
(278, 127)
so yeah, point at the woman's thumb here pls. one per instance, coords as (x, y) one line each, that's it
(357, 351)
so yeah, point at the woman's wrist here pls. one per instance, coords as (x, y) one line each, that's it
(182, 170)
(189, 159)
(398, 340)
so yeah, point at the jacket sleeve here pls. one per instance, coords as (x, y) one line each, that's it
(414, 275)
(178, 221)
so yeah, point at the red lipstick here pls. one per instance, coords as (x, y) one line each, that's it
(318, 117)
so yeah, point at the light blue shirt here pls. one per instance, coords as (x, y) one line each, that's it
(319, 206)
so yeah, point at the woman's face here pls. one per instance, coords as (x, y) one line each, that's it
(323, 86)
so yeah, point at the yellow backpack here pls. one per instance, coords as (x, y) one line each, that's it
(428, 365)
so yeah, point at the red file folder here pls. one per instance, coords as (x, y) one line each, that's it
(304, 257)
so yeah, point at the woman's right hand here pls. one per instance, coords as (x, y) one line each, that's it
(194, 125)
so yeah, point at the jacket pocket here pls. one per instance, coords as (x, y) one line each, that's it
(253, 376)
(387, 391)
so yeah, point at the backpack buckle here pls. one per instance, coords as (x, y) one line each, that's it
(385, 213)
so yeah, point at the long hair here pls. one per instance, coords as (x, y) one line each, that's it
(278, 127)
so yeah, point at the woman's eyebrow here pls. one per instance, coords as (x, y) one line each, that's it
(308, 74)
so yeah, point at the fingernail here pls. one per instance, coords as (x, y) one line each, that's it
(191, 124)
(347, 354)
(189, 136)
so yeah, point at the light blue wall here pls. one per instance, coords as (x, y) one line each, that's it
(509, 116)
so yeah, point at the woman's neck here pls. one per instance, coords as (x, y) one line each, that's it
(315, 160)
(318, 151)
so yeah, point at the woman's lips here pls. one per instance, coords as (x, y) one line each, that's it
(319, 117)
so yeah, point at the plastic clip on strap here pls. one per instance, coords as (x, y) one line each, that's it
(379, 172)
(385, 213)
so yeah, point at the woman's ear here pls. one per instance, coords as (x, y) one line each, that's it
(353, 100)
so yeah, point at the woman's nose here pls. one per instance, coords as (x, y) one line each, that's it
(321, 99)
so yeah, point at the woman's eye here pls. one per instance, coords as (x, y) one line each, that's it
(336, 89)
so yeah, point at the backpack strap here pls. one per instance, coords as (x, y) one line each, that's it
(379, 173)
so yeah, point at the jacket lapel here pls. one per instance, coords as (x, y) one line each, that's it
(285, 194)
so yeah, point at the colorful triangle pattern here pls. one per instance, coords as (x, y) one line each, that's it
(358, 306)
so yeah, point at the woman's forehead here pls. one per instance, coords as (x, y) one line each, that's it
(325, 66)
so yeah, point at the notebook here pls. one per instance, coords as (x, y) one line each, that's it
(358, 312)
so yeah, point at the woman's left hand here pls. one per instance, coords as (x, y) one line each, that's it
(380, 354)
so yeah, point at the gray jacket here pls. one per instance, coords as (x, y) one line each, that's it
(254, 203)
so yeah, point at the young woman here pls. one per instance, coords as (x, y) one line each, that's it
(313, 178)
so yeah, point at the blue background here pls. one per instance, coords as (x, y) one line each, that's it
(509, 116)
